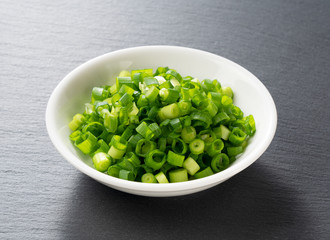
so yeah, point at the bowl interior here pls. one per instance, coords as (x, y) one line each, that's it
(74, 90)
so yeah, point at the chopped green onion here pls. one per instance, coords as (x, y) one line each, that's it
(178, 175)
(155, 159)
(148, 178)
(145, 131)
(169, 95)
(144, 146)
(114, 171)
(126, 175)
(88, 143)
(188, 134)
(215, 147)
(152, 94)
(179, 146)
(101, 161)
(160, 127)
(204, 173)
(76, 122)
(219, 162)
(237, 136)
(197, 146)
(234, 151)
(161, 177)
(155, 129)
(169, 112)
(162, 144)
(225, 132)
(191, 165)
(175, 159)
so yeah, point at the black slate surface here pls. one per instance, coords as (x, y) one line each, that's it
(284, 195)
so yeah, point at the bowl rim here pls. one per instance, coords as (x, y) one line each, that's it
(147, 187)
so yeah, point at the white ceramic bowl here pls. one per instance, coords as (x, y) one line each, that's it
(74, 90)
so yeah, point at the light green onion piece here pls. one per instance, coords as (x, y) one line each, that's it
(197, 146)
(148, 178)
(178, 175)
(161, 177)
(89, 143)
(145, 131)
(191, 165)
(169, 112)
(225, 132)
(76, 122)
(101, 161)
(175, 159)
(152, 94)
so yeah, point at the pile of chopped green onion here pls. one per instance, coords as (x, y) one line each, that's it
(161, 127)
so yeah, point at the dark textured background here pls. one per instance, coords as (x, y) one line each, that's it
(284, 195)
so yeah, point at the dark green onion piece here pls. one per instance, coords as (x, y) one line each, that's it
(215, 97)
(130, 156)
(237, 136)
(219, 162)
(234, 151)
(155, 159)
(133, 140)
(126, 175)
(201, 118)
(204, 173)
(220, 118)
(214, 147)
(169, 95)
(176, 124)
(144, 146)
(145, 131)
(153, 112)
(162, 144)
(155, 129)
(179, 146)
(114, 171)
